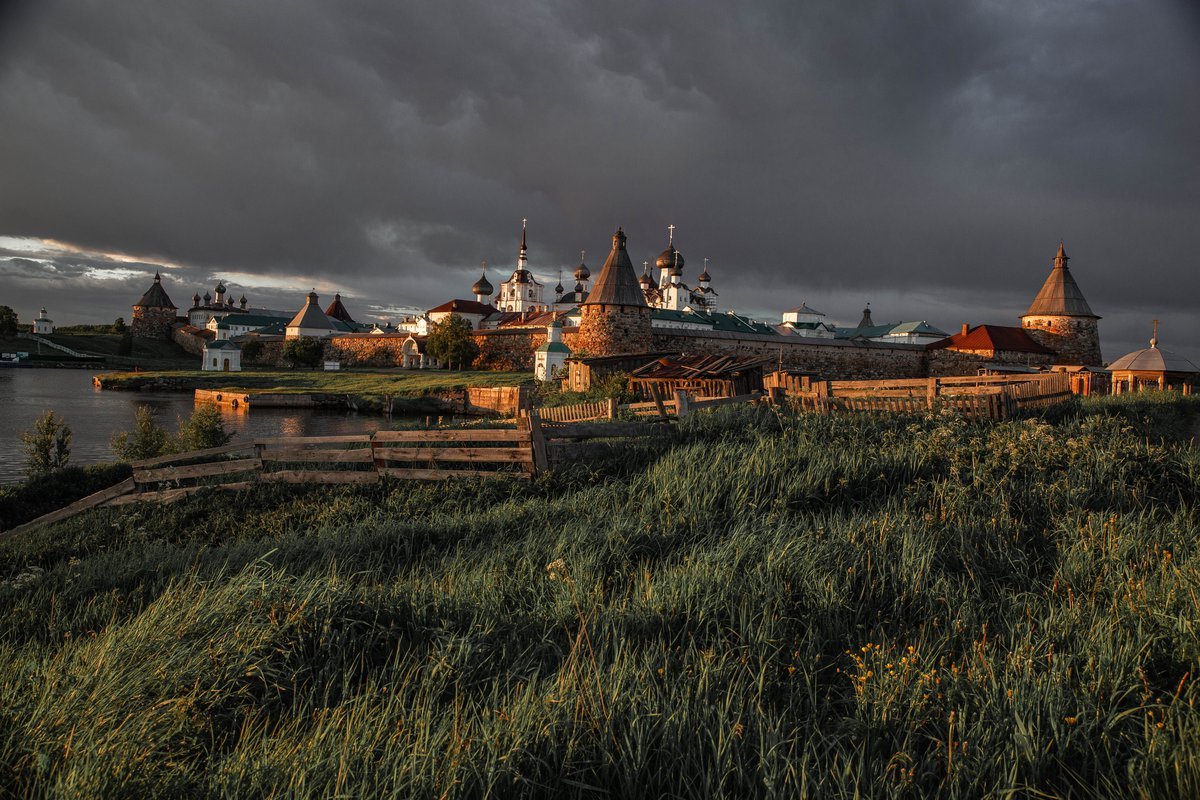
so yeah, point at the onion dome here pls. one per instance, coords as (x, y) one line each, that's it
(196, 299)
(559, 288)
(582, 273)
(481, 286)
(207, 298)
(243, 301)
(646, 281)
(220, 288)
(579, 287)
(703, 276)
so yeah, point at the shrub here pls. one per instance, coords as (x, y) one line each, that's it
(204, 429)
(304, 352)
(47, 445)
(251, 350)
(147, 439)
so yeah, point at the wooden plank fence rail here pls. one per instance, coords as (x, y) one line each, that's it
(981, 397)
(599, 409)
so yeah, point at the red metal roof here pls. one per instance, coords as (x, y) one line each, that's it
(992, 337)
(465, 307)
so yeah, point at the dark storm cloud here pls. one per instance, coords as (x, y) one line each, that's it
(925, 157)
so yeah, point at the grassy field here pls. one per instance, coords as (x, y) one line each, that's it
(762, 606)
(369, 384)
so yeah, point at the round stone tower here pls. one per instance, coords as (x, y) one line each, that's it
(615, 317)
(154, 314)
(1061, 319)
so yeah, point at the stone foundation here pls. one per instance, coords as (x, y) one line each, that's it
(1076, 340)
(152, 323)
(605, 330)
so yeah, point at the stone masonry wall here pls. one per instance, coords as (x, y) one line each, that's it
(507, 349)
(152, 323)
(367, 350)
(608, 330)
(1076, 340)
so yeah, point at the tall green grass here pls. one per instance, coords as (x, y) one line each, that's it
(765, 605)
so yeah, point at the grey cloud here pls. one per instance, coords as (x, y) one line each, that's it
(922, 152)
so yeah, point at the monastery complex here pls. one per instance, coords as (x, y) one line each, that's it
(620, 316)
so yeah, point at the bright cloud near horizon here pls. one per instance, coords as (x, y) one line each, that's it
(923, 157)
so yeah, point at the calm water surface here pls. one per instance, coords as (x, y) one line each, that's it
(94, 416)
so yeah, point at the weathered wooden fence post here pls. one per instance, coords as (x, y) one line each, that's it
(681, 403)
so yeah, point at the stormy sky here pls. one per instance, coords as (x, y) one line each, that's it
(924, 157)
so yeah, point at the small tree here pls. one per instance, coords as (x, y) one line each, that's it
(8, 321)
(204, 429)
(119, 326)
(147, 439)
(304, 352)
(47, 445)
(251, 350)
(450, 341)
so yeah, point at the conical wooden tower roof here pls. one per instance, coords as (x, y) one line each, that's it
(617, 284)
(155, 296)
(1060, 295)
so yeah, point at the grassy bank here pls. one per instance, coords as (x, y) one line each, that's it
(372, 384)
(106, 348)
(763, 606)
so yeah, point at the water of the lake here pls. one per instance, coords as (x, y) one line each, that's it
(95, 415)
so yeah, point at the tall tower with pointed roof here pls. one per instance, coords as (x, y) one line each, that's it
(521, 292)
(1061, 319)
(615, 317)
(154, 314)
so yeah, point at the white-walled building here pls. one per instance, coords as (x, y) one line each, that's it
(521, 292)
(805, 321)
(550, 358)
(43, 324)
(222, 355)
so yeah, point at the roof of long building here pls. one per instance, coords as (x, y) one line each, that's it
(992, 337)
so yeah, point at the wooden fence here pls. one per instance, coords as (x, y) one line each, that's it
(580, 412)
(981, 397)
(358, 459)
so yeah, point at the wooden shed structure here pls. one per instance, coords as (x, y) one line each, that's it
(699, 375)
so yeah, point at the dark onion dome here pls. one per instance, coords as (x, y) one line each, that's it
(156, 295)
(559, 288)
(617, 284)
(242, 302)
(220, 288)
(196, 299)
(582, 273)
(207, 298)
(482, 286)
(670, 259)
(578, 287)
(646, 280)
(703, 276)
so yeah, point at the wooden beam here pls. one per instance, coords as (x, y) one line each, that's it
(454, 435)
(362, 455)
(78, 507)
(475, 454)
(197, 470)
(446, 474)
(314, 476)
(174, 457)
